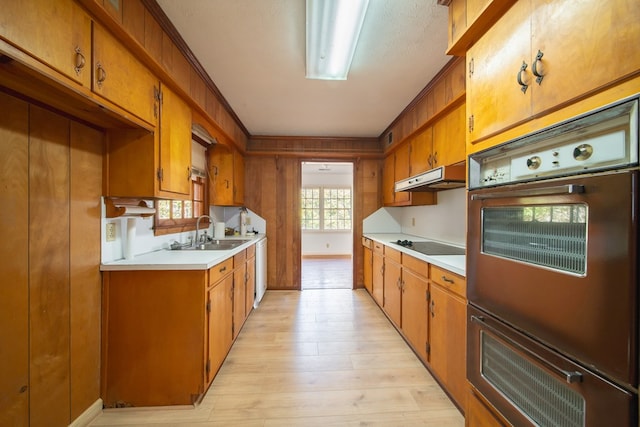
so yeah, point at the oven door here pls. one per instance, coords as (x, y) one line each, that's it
(558, 260)
(532, 385)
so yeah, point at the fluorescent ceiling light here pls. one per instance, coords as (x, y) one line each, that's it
(333, 28)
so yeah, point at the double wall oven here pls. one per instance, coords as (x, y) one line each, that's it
(552, 272)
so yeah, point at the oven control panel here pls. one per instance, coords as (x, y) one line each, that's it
(605, 139)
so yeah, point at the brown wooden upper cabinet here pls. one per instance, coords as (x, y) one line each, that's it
(538, 58)
(120, 78)
(175, 144)
(153, 164)
(226, 176)
(63, 43)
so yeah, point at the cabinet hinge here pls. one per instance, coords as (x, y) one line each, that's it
(208, 366)
(209, 306)
(160, 174)
(427, 347)
(471, 67)
(428, 294)
(471, 120)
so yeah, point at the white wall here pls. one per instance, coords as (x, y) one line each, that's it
(445, 221)
(327, 243)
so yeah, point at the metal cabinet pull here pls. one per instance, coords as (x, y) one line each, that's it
(433, 308)
(80, 61)
(534, 67)
(523, 85)
(101, 74)
(570, 377)
(446, 279)
(532, 192)
(223, 269)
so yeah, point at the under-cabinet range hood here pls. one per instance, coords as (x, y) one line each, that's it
(440, 178)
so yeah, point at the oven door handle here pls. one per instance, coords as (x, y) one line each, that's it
(544, 191)
(569, 376)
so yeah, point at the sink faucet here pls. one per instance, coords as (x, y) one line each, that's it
(196, 241)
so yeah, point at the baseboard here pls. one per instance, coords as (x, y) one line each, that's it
(335, 256)
(88, 415)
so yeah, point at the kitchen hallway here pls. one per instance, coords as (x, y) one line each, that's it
(312, 358)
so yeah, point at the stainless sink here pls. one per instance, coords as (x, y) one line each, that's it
(216, 245)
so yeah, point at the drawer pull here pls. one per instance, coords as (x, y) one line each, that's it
(80, 61)
(223, 269)
(446, 279)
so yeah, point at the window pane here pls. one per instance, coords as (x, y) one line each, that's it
(188, 211)
(164, 209)
(176, 209)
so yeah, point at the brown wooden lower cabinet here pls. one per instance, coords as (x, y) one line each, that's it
(479, 414)
(166, 333)
(427, 304)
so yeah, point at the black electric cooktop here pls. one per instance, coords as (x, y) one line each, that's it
(431, 248)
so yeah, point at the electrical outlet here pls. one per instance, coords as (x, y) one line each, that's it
(110, 232)
(248, 220)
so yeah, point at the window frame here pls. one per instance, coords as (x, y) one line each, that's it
(322, 209)
(199, 192)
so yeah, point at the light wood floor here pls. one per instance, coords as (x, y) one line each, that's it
(327, 273)
(312, 358)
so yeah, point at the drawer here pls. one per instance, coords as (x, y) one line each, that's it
(378, 247)
(393, 254)
(416, 265)
(251, 251)
(449, 280)
(367, 243)
(218, 271)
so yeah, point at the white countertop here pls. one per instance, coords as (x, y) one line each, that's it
(454, 263)
(180, 259)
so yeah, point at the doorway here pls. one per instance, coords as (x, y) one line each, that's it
(326, 201)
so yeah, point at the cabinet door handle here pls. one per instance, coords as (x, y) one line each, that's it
(435, 158)
(446, 279)
(398, 283)
(523, 85)
(101, 74)
(433, 308)
(188, 173)
(80, 61)
(534, 67)
(430, 160)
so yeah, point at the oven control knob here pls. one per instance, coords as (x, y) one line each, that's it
(534, 162)
(582, 152)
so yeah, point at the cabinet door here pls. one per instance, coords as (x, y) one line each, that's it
(392, 290)
(388, 182)
(63, 43)
(120, 78)
(175, 144)
(494, 99)
(220, 324)
(239, 296)
(415, 309)
(585, 46)
(221, 176)
(421, 151)
(368, 270)
(448, 337)
(251, 285)
(402, 171)
(238, 178)
(449, 138)
(378, 278)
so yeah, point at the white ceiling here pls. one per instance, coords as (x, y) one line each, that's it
(254, 51)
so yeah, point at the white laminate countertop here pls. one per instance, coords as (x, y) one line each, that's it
(179, 260)
(454, 263)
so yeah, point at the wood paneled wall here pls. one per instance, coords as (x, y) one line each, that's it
(50, 287)
(272, 190)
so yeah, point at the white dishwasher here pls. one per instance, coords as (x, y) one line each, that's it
(261, 271)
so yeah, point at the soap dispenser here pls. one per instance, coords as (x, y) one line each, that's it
(243, 221)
